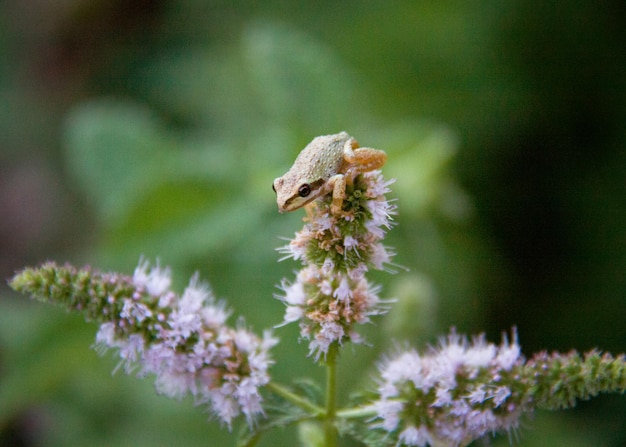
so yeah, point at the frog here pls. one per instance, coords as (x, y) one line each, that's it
(325, 166)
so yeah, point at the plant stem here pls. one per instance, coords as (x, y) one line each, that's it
(296, 400)
(330, 431)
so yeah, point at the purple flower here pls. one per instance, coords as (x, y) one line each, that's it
(448, 396)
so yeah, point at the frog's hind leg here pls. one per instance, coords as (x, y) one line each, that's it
(361, 159)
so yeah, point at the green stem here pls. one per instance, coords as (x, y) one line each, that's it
(356, 413)
(330, 431)
(296, 400)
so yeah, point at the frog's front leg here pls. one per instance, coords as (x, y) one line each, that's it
(338, 183)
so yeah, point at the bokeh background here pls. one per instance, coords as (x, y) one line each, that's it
(156, 127)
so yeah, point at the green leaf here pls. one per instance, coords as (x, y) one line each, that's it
(299, 80)
(114, 152)
(311, 434)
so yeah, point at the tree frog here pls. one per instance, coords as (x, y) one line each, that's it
(327, 164)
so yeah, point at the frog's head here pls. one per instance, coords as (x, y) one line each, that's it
(293, 193)
(309, 176)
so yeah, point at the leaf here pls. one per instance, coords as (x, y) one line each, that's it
(299, 80)
(113, 150)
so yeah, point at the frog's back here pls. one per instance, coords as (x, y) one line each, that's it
(324, 154)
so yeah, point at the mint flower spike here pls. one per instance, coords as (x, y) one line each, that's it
(182, 339)
(463, 391)
(331, 294)
(451, 396)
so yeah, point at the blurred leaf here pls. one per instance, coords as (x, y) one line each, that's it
(422, 154)
(311, 434)
(33, 343)
(414, 313)
(203, 87)
(298, 80)
(115, 150)
(210, 232)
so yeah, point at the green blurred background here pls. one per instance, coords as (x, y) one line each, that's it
(156, 128)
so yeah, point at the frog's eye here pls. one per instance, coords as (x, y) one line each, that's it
(304, 190)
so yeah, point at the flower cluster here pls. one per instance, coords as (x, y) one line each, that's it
(183, 340)
(456, 394)
(462, 391)
(330, 294)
